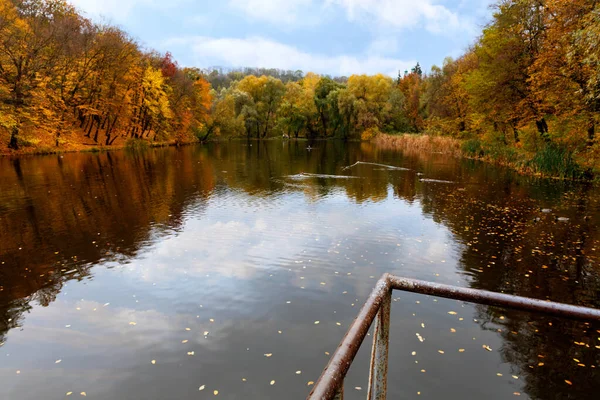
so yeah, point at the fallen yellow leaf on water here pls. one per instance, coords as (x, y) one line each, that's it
(133, 323)
(57, 361)
(202, 387)
(358, 388)
(184, 341)
(298, 372)
(83, 394)
(216, 392)
(441, 351)
(69, 393)
(461, 350)
(568, 382)
(310, 383)
(488, 348)
(187, 329)
(205, 333)
(452, 330)
(272, 383)
(190, 353)
(452, 312)
(268, 355)
(316, 322)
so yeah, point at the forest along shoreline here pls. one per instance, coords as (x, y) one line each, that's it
(408, 143)
(525, 95)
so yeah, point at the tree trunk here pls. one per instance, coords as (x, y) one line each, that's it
(13, 144)
(542, 127)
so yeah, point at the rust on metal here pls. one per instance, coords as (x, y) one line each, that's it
(331, 383)
(340, 394)
(332, 377)
(495, 299)
(379, 353)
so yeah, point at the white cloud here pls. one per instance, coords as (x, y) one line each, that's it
(262, 52)
(121, 10)
(118, 10)
(403, 14)
(274, 11)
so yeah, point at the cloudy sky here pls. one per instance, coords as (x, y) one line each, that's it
(336, 37)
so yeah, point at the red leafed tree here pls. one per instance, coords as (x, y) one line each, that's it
(168, 66)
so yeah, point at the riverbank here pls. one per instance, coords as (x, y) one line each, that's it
(552, 161)
(37, 147)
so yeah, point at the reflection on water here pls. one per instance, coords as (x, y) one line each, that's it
(153, 275)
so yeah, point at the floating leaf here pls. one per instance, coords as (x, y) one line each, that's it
(272, 383)
(202, 387)
(268, 355)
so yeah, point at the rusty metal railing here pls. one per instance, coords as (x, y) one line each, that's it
(377, 307)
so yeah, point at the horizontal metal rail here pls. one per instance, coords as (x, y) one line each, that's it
(331, 383)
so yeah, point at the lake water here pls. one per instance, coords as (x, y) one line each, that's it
(152, 275)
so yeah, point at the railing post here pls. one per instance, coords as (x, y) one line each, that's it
(379, 353)
(340, 393)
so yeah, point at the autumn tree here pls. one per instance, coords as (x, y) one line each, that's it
(565, 75)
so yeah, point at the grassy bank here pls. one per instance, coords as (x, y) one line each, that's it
(37, 148)
(552, 161)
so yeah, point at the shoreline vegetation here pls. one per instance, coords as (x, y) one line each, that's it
(557, 165)
(551, 163)
(526, 94)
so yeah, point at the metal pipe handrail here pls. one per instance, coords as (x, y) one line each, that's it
(377, 307)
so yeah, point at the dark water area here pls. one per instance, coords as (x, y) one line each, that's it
(237, 267)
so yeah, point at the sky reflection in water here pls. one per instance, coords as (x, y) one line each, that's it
(236, 250)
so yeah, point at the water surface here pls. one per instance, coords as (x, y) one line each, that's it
(229, 266)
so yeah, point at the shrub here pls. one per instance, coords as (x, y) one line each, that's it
(472, 148)
(136, 144)
(556, 161)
